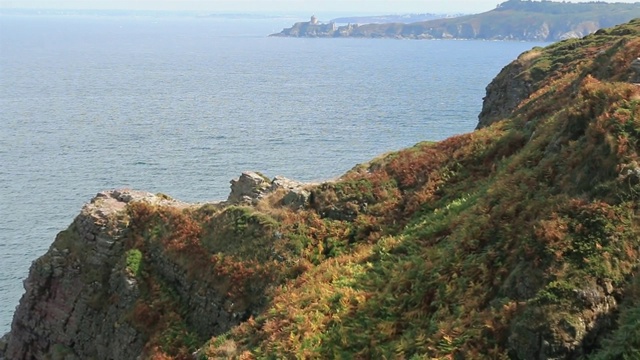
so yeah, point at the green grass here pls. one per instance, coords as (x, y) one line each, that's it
(134, 262)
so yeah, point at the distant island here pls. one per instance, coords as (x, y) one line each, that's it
(512, 20)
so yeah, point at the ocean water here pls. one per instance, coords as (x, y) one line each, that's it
(183, 104)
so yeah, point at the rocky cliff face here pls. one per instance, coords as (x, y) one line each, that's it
(77, 296)
(506, 91)
(85, 298)
(80, 297)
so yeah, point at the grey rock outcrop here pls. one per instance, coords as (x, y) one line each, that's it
(78, 295)
(635, 67)
(59, 310)
(251, 187)
(248, 188)
(506, 91)
(555, 332)
(297, 196)
(4, 341)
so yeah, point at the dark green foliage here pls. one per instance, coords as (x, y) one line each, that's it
(134, 261)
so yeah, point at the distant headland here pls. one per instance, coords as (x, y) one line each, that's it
(512, 20)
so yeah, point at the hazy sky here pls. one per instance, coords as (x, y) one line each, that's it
(271, 6)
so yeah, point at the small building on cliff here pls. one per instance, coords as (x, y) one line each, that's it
(311, 28)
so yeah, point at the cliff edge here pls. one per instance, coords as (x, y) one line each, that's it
(531, 71)
(96, 295)
(519, 240)
(78, 296)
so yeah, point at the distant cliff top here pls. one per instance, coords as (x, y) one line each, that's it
(511, 20)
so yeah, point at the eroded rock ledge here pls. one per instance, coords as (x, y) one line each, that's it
(80, 296)
(68, 310)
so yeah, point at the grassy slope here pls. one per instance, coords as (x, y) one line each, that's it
(456, 249)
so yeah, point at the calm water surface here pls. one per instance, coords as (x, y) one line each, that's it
(181, 105)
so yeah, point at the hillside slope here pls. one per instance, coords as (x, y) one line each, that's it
(511, 20)
(520, 240)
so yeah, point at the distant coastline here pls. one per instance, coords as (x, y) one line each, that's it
(517, 20)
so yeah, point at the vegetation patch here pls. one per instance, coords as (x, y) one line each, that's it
(134, 262)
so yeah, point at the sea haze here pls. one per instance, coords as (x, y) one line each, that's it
(181, 105)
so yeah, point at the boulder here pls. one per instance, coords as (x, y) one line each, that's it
(564, 331)
(248, 188)
(296, 198)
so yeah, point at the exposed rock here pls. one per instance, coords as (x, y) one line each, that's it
(635, 67)
(297, 197)
(4, 341)
(631, 174)
(281, 182)
(78, 295)
(580, 30)
(248, 188)
(505, 92)
(553, 332)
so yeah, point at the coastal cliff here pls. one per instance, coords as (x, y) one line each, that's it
(512, 20)
(102, 291)
(77, 295)
(519, 240)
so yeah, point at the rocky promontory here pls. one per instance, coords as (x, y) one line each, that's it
(78, 296)
(519, 240)
(86, 298)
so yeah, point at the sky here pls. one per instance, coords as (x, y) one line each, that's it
(359, 7)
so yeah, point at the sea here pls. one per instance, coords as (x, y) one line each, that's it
(182, 103)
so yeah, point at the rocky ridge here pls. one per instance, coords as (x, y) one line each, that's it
(81, 295)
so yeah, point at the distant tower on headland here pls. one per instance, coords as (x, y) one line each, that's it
(314, 20)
